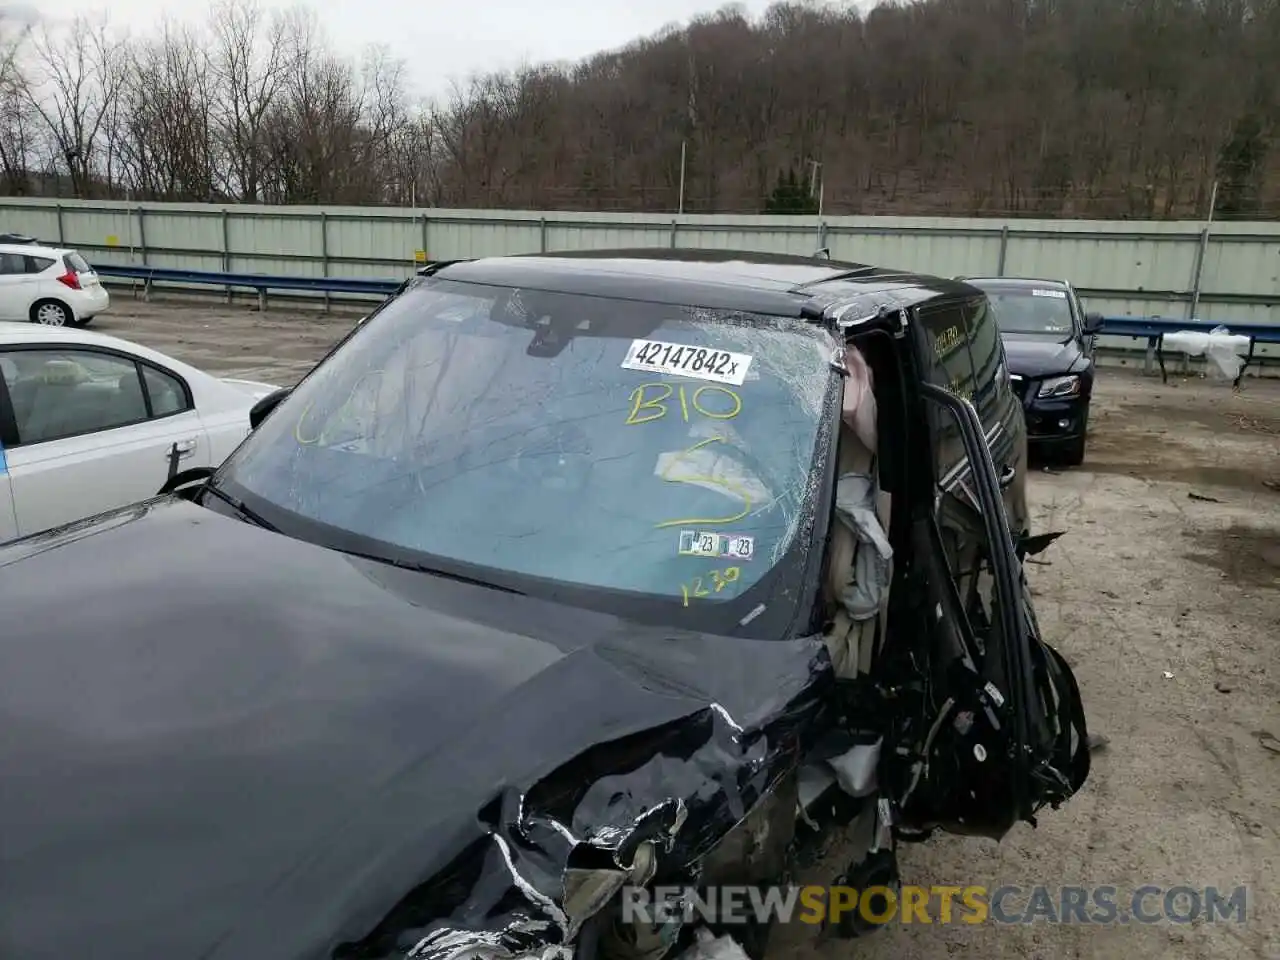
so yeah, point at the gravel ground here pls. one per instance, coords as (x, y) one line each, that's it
(1164, 595)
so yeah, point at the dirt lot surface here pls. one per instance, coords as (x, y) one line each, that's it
(277, 346)
(1164, 595)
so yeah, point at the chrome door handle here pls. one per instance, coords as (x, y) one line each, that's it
(181, 448)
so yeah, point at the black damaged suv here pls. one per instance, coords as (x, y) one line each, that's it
(560, 575)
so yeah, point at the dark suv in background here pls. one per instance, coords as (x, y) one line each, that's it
(1048, 344)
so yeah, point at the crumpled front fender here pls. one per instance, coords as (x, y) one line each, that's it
(627, 810)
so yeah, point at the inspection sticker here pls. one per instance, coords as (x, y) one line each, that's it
(730, 546)
(1056, 294)
(682, 360)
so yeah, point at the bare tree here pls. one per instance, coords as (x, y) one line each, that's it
(163, 130)
(15, 110)
(251, 59)
(77, 73)
(1011, 107)
(331, 129)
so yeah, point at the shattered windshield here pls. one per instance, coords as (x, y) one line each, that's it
(635, 449)
(1031, 311)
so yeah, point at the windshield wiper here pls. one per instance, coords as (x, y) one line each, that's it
(249, 514)
(426, 568)
(239, 507)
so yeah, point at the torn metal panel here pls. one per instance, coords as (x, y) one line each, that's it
(568, 843)
(707, 946)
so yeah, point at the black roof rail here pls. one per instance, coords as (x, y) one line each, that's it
(436, 266)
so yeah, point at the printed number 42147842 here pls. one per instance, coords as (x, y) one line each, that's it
(684, 360)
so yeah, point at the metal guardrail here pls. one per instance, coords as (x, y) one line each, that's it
(1159, 326)
(253, 281)
(1153, 329)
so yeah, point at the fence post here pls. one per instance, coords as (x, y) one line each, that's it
(426, 250)
(142, 249)
(674, 226)
(61, 237)
(324, 252)
(1004, 249)
(226, 252)
(822, 234)
(1197, 275)
(542, 234)
(142, 234)
(1202, 253)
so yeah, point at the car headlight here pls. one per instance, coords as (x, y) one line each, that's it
(1068, 386)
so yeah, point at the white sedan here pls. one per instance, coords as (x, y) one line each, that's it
(90, 422)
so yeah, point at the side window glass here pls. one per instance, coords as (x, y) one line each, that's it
(165, 391)
(991, 380)
(12, 263)
(984, 341)
(38, 264)
(948, 338)
(67, 393)
(947, 352)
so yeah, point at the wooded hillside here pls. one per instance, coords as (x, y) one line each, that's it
(1082, 108)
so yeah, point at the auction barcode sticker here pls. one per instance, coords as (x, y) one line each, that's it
(1056, 294)
(682, 360)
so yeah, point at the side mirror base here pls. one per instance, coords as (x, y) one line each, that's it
(258, 412)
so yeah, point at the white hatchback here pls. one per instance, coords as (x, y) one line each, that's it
(48, 285)
(90, 422)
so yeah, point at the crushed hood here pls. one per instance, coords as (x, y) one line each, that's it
(238, 745)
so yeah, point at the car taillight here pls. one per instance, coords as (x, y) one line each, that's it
(71, 279)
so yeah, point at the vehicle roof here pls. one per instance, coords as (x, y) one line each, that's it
(17, 334)
(772, 283)
(21, 331)
(1028, 282)
(34, 249)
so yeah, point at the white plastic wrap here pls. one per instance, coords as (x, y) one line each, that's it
(1222, 348)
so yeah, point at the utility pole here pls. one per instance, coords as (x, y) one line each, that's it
(816, 182)
(683, 145)
(1201, 253)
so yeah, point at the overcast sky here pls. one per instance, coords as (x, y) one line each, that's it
(441, 40)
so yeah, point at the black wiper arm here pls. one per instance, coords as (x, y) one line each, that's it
(239, 507)
(249, 514)
(426, 568)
